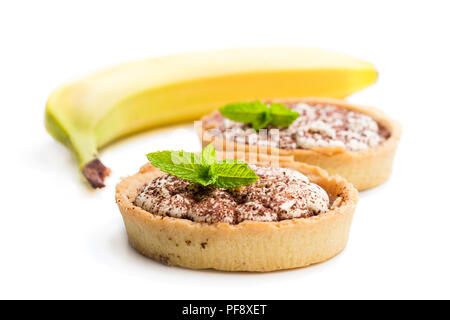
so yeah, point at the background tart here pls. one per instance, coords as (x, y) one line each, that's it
(247, 246)
(364, 169)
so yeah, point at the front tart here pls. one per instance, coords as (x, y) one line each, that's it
(248, 245)
(363, 168)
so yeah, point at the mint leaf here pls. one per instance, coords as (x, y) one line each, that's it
(208, 155)
(247, 112)
(232, 175)
(263, 121)
(184, 165)
(204, 169)
(259, 115)
(282, 116)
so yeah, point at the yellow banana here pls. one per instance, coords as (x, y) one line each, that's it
(89, 113)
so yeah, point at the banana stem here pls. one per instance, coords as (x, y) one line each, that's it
(83, 147)
(96, 172)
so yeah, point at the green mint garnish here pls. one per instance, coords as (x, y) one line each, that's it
(204, 168)
(259, 115)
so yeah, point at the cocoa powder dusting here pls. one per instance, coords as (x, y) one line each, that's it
(317, 126)
(279, 194)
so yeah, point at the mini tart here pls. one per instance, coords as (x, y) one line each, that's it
(364, 169)
(247, 246)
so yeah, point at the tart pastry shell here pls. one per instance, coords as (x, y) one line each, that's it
(364, 169)
(247, 246)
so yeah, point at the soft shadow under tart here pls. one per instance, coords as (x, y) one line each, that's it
(247, 246)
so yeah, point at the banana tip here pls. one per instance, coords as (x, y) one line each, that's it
(96, 172)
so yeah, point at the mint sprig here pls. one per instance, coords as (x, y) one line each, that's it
(259, 115)
(204, 169)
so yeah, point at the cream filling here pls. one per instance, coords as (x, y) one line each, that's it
(279, 194)
(317, 126)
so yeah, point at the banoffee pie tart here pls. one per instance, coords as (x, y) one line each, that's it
(195, 211)
(355, 142)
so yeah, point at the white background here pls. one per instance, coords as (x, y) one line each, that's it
(59, 239)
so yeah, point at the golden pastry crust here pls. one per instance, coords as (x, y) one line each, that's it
(364, 169)
(247, 246)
